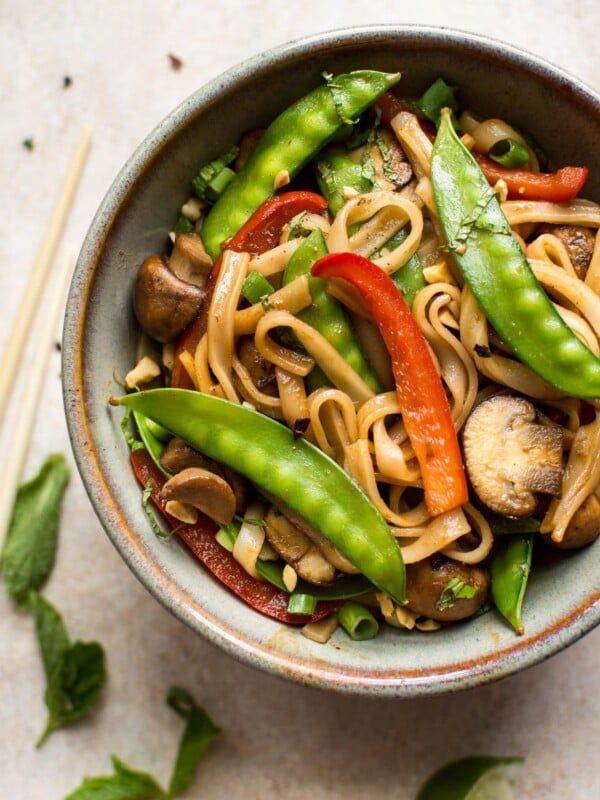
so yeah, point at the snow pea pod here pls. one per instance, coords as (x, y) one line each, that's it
(495, 268)
(289, 468)
(326, 314)
(289, 142)
(510, 572)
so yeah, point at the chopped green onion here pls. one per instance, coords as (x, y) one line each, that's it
(358, 622)
(256, 287)
(302, 604)
(218, 184)
(226, 536)
(439, 95)
(509, 153)
(214, 176)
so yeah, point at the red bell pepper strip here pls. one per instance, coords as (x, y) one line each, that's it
(523, 184)
(200, 538)
(423, 402)
(259, 234)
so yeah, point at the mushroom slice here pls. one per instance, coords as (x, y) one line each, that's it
(445, 590)
(204, 490)
(583, 529)
(330, 551)
(189, 261)
(297, 549)
(509, 457)
(178, 455)
(579, 243)
(164, 305)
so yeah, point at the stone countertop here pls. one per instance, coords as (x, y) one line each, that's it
(277, 739)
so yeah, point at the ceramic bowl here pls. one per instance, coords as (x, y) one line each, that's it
(563, 598)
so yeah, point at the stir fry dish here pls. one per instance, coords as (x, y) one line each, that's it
(367, 385)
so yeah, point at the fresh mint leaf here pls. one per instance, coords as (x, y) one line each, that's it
(198, 734)
(30, 549)
(125, 784)
(75, 673)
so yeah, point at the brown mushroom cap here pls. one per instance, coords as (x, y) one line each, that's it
(189, 261)
(509, 457)
(583, 529)
(204, 490)
(297, 549)
(163, 304)
(178, 455)
(434, 587)
(579, 242)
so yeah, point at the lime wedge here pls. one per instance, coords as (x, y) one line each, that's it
(473, 778)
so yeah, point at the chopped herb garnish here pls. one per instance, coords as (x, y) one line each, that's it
(146, 500)
(455, 589)
(67, 81)
(28, 144)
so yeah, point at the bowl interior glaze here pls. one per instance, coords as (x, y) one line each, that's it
(563, 600)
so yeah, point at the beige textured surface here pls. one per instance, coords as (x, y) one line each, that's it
(278, 740)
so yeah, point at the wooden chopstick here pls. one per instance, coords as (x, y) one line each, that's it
(12, 468)
(43, 262)
(21, 435)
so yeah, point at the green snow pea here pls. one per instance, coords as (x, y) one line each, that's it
(334, 173)
(289, 468)
(409, 278)
(495, 267)
(289, 142)
(326, 314)
(510, 569)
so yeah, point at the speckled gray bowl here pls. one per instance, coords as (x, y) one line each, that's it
(563, 600)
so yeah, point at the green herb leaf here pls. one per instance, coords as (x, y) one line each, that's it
(125, 784)
(30, 548)
(75, 673)
(455, 589)
(198, 734)
(147, 506)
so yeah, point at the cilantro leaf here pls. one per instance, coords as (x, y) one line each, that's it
(75, 673)
(199, 732)
(30, 549)
(125, 784)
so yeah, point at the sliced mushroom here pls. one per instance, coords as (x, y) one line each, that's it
(583, 529)
(579, 242)
(261, 371)
(178, 455)
(445, 590)
(163, 304)
(204, 490)
(297, 549)
(509, 456)
(330, 551)
(189, 261)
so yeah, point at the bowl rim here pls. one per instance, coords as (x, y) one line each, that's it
(408, 683)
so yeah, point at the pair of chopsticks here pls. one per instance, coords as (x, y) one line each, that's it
(12, 468)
